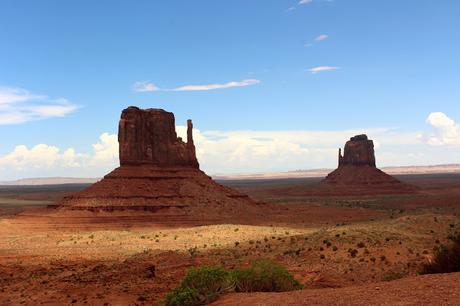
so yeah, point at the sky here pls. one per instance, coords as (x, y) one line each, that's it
(273, 85)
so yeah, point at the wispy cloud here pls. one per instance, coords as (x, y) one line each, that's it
(319, 69)
(317, 40)
(243, 83)
(302, 2)
(144, 86)
(148, 87)
(321, 37)
(18, 105)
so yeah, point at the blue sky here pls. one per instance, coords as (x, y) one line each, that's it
(67, 69)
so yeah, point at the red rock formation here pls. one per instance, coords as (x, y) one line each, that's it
(149, 137)
(357, 173)
(358, 151)
(160, 174)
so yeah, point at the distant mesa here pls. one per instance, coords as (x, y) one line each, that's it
(159, 173)
(357, 172)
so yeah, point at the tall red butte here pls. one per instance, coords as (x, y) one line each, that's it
(159, 176)
(357, 172)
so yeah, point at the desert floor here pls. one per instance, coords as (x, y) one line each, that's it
(48, 261)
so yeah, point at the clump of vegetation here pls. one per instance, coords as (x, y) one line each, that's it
(264, 276)
(446, 258)
(200, 286)
(204, 285)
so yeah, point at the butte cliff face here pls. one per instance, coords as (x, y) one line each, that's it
(159, 175)
(149, 137)
(357, 173)
(358, 151)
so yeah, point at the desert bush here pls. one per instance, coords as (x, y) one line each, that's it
(446, 258)
(264, 276)
(200, 286)
(204, 285)
(182, 297)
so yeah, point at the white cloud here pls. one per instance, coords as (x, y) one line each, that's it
(321, 37)
(148, 87)
(322, 69)
(39, 156)
(44, 160)
(302, 2)
(105, 151)
(262, 151)
(19, 105)
(10, 95)
(243, 83)
(445, 131)
(144, 87)
(221, 152)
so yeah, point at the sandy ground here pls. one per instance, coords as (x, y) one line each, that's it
(64, 261)
(441, 289)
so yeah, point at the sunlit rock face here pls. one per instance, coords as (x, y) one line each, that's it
(159, 177)
(358, 151)
(149, 137)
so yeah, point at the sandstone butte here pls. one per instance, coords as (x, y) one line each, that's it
(357, 173)
(159, 176)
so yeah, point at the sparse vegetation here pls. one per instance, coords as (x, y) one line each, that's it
(200, 286)
(264, 276)
(204, 285)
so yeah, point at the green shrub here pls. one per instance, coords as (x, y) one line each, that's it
(182, 297)
(200, 286)
(203, 285)
(264, 276)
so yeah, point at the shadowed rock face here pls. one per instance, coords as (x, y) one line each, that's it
(358, 151)
(149, 137)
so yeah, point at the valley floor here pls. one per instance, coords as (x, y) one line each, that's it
(345, 250)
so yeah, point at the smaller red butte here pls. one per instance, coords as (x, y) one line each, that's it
(357, 173)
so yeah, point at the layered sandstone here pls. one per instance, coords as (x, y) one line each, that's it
(159, 173)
